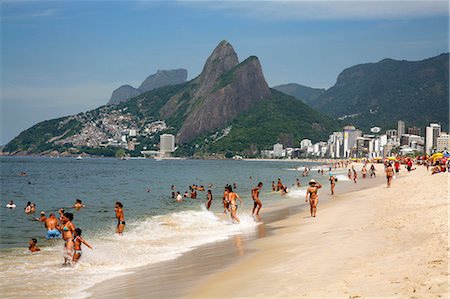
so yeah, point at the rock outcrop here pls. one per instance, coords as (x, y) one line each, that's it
(122, 94)
(163, 78)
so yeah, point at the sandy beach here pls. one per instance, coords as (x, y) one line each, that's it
(378, 242)
(372, 242)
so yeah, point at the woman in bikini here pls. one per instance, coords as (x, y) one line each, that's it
(78, 240)
(313, 197)
(233, 206)
(67, 228)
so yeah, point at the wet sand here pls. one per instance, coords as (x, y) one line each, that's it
(373, 243)
(178, 278)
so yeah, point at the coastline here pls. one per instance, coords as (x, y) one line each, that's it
(167, 280)
(377, 242)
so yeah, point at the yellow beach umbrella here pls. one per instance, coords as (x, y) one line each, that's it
(437, 156)
(392, 158)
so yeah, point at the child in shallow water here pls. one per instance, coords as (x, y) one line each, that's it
(32, 245)
(78, 240)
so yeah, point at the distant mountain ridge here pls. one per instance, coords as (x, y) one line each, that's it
(160, 79)
(227, 108)
(301, 92)
(379, 94)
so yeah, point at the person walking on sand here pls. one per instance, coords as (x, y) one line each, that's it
(209, 198)
(78, 240)
(311, 194)
(257, 204)
(120, 218)
(372, 171)
(355, 176)
(332, 183)
(364, 172)
(232, 196)
(349, 174)
(389, 174)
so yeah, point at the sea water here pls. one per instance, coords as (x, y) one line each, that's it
(157, 227)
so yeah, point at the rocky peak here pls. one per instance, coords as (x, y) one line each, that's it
(163, 78)
(235, 91)
(222, 59)
(122, 94)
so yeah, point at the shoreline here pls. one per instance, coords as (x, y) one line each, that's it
(376, 242)
(211, 258)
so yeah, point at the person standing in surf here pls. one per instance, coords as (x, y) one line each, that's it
(225, 200)
(68, 230)
(209, 198)
(311, 194)
(78, 240)
(232, 196)
(120, 218)
(257, 204)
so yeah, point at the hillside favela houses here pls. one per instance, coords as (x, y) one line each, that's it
(352, 143)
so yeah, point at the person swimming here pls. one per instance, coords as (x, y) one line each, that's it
(78, 204)
(11, 205)
(78, 240)
(32, 245)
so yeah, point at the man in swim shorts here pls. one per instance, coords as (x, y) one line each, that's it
(257, 204)
(51, 223)
(120, 218)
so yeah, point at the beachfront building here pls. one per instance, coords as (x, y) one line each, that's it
(392, 135)
(400, 128)
(350, 135)
(305, 143)
(166, 144)
(432, 132)
(334, 145)
(278, 150)
(414, 131)
(443, 142)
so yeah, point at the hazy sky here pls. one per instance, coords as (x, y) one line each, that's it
(64, 57)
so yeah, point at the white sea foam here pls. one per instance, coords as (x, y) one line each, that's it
(297, 192)
(147, 241)
(342, 178)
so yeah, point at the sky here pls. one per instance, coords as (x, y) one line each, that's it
(64, 57)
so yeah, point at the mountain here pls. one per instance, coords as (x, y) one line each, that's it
(160, 79)
(379, 94)
(301, 92)
(227, 108)
(123, 93)
(163, 78)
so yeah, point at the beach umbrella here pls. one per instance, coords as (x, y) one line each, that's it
(437, 156)
(392, 158)
(446, 155)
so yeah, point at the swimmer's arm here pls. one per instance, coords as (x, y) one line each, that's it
(86, 243)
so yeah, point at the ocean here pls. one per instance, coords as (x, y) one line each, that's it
(158, 228)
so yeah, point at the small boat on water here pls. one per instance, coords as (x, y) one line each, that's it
(79, 158)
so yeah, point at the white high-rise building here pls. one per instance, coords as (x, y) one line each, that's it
(167, 143)
(400, 128)
(443, 142)
(432, 132)
(278, 150)
(305, 143)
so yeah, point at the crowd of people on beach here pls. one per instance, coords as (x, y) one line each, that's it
(63, 227)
